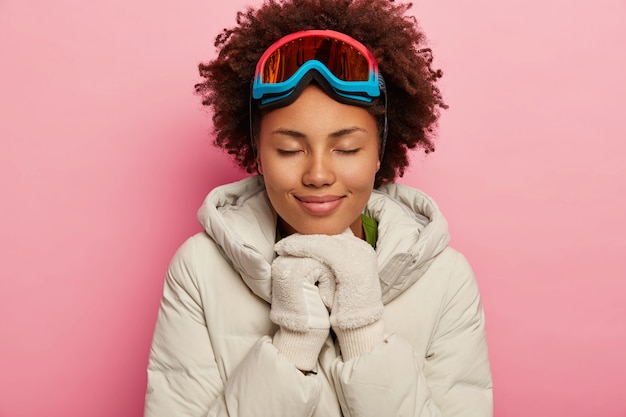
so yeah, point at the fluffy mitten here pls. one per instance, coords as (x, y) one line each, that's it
(298, 308)
(357, 306)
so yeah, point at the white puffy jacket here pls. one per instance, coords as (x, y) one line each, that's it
(212, 353)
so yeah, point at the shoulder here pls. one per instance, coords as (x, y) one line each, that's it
(196, 246)
(453, 260)
(195, 258)
(453, 265)
(460, 291)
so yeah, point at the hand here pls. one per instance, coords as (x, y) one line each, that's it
(298, 307)
(357, 307)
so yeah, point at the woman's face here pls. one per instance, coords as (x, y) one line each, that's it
(319, 158)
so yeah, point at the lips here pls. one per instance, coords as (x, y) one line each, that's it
(320, 205)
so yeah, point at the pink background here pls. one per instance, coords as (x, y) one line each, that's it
(105, 157)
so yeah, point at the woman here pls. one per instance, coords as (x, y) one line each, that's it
(320, 287)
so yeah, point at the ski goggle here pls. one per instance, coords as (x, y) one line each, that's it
(343, 66)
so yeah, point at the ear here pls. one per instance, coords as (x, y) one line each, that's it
(259, 165)
(378, 165)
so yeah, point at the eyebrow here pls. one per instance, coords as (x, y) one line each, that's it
(347, 131)
(288, 132)
(333, 135)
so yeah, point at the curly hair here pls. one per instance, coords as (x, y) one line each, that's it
(395, 39)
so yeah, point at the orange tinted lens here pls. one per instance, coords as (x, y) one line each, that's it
(345, 62)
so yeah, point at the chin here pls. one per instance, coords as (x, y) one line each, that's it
(319, 226)
(321, 229)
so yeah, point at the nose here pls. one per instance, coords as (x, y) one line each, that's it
(319, 170)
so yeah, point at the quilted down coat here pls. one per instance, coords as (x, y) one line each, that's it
(212, 351)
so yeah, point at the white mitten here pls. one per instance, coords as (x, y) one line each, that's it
(298, 308)
(357, 306)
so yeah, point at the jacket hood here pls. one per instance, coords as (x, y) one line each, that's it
(411, 232)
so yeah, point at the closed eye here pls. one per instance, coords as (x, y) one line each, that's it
(348, 151)
(288, 151)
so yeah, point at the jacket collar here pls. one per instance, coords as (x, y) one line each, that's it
(411, 231)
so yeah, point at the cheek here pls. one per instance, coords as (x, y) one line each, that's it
(361, 176)
(266, 165)
(276, 176)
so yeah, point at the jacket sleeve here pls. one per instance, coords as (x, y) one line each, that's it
(183, 374)
(453, 379)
